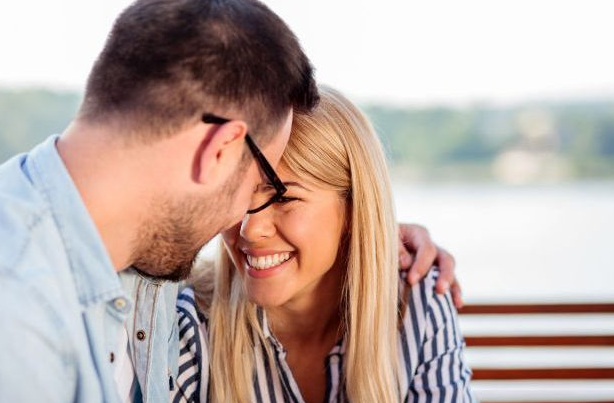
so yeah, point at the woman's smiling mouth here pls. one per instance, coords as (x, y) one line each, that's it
(268, 261)
(262, 264)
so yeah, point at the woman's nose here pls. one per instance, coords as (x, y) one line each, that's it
(258, 226)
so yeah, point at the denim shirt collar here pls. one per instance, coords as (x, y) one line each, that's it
(94, 274)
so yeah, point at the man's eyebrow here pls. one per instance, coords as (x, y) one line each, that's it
(296, 184)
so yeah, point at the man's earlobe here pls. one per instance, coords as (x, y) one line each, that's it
(200, 154)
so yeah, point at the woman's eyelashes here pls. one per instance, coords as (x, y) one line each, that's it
(286, 199)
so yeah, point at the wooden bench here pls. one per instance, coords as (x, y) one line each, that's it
(541, 341)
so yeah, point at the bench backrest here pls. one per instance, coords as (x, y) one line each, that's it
(585, 373)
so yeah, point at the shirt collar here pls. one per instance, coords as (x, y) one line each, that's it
(93, 272)
(338, 348)
(266, 331)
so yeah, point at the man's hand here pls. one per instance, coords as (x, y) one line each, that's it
(418, 253)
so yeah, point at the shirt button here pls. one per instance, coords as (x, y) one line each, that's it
(112, 357)
(120, 303)
(141, 335)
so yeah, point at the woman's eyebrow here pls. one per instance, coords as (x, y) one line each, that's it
(296, 184)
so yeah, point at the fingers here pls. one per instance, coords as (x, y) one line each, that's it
(415, 238)
(446, 264)
(447, 278)
(405, 257)
(457, 295)
(423, 261)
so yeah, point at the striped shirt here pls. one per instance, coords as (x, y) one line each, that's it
(430, 347)
(125, 378)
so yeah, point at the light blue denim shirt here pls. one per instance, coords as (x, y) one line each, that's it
(62, 305)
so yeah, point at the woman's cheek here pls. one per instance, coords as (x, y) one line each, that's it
(299, 227)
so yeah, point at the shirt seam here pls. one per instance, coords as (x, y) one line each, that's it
(151, 336)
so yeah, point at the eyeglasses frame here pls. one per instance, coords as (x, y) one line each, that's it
(261, 160)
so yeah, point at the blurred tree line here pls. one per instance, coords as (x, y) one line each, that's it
(29, 116)
(523, 143)
(532, 142)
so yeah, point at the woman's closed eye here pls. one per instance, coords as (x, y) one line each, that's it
(286, 199)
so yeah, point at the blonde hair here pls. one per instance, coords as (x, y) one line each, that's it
(336, 147)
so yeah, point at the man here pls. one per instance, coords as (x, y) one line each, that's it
(185, 105)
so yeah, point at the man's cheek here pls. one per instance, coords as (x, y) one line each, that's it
(231, 235)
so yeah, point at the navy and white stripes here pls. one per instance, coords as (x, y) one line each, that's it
(432, 345)
(193, 353)
(432, 367)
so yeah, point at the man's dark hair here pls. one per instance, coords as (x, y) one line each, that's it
(166, 62)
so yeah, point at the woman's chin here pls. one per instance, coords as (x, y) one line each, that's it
(266, 299)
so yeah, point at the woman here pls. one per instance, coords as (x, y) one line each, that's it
(300, 308)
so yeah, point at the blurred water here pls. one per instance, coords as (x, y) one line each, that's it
(529, 243)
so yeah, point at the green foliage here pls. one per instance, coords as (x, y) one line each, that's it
(430, 136)
(464, 143)
(437, 142)
(29, 116)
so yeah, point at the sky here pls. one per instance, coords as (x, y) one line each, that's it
(393, 51)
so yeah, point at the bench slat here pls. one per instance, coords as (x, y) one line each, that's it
(520, 309)
(542, 373)
(566, 401)
(541, 341)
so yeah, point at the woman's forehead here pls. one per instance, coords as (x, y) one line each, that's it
(288, 176)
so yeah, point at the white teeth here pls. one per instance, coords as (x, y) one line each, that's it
(266, 262)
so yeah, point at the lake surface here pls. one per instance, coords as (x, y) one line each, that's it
(530, 243)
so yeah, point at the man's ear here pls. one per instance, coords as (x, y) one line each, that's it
(219, 153)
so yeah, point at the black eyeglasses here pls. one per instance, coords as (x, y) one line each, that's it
(275, 189)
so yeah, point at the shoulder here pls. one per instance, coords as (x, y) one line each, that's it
(189, 315)
(193, 373)
(432, 345)
(202, 282)
(32, 255)
(35, 303)
(424, 310)
(430, 340)
(34, 267)
(421, 295)
(186, 303)
(23, 212)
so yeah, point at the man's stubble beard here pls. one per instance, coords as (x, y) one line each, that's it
(168, 244)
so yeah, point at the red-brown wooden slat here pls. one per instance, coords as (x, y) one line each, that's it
(541, 341)
(523, 309)
(553, 401)
(542, 373)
